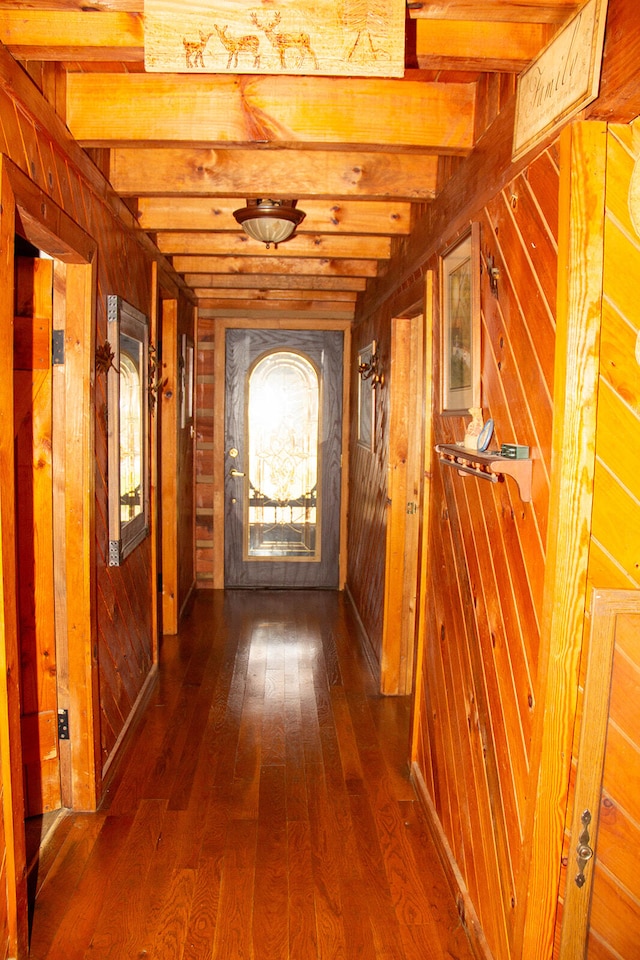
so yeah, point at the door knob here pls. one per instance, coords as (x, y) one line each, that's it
(235, 473)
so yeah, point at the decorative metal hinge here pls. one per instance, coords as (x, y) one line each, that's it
(63, 725)
(583, 851)
(57, 347)
(114, 553)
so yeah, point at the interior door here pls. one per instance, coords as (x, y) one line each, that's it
(283, 441)
(34, 533)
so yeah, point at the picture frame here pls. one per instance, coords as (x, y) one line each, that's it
(460, 346)
(127, 429)
(366, 400)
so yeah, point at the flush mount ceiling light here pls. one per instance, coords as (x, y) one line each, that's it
(269, 221)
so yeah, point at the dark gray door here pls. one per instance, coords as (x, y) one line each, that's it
(283, 425)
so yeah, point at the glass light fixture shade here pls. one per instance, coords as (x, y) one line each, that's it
(269, 221)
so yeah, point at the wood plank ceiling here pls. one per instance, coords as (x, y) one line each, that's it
(359, 154)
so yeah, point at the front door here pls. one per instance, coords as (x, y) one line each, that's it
(283, 442)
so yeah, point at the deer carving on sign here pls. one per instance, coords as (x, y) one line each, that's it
(194, 49)
(248, 43)
(286, 41)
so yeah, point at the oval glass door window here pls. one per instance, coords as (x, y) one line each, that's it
(282, 514)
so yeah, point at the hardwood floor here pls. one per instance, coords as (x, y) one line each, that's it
(263, 810)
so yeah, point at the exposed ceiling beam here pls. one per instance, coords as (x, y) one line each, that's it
(251, 173)
(523, 11)
(100, 6)
(105, 109)
(277, 264)
(69, 36)
(286, 309)
(281, 281)
(257, 293)
(322, 216)
(303, 245)
(472, 45)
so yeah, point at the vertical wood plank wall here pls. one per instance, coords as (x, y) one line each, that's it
(37, 142)
(615, 561)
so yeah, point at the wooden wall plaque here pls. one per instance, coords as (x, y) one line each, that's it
(563, 79)
(328, 37)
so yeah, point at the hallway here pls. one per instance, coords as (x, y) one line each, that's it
(262, 810)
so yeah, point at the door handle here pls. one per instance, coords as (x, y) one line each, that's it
(235, 473)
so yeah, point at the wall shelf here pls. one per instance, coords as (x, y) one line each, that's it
(488, 466)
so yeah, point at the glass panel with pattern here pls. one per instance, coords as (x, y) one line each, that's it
(282, 515)
(131, 438)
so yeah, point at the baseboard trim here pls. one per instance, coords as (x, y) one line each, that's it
(365, 643)
(129, 724)
(466, 909)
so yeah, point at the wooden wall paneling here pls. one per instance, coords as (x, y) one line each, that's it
(10, 741)
(72, 204)
(368, 496)
(527, 325)
(481, 779)
(487, 563)
(169, 403)
(583, 150)
(497, 716)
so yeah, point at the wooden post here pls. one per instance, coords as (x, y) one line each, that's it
(580, 265)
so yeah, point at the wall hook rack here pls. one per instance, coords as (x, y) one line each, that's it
(488, 466)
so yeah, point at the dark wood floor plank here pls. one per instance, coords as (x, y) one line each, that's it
(77, 920)
(271, 894)
(233, 933)
(121, 917)
(303, 943)
(263, 810)
(200, 932)
(326, 862)
(62, 879)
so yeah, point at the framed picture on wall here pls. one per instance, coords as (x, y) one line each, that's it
(127, 428)
(366, 398)
(460, 361)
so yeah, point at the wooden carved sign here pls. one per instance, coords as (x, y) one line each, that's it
(330, 37)
(562, 80)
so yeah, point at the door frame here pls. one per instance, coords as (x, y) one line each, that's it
(47, 227)
(404, 505)
(219, 389)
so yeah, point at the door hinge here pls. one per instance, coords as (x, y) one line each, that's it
(57, 347)
(412, 507)
(63, 725)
